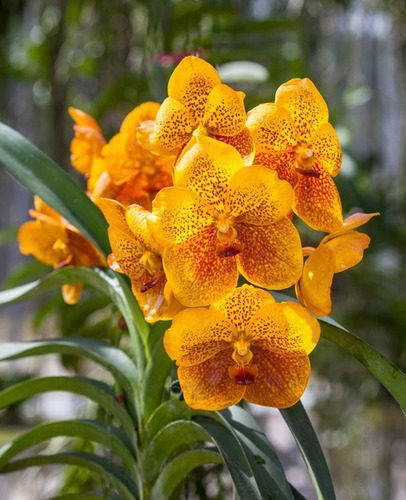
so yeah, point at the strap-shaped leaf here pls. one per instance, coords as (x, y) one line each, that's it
(166, 441)
(92, 389)
(235, 458)
(178, 468)
(389, 375)
(112, 438)
(43, 177)
(116, 475)
(170, 411)
(105, 280)
(113, 359)
(309, 446)
(263, 459)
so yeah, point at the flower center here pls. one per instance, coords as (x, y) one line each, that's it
(304, 155)
(151, 261)
(242, 354)
(226, 232)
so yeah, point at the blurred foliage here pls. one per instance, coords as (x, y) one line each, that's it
(107, 57)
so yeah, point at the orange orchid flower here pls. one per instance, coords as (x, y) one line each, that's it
(294, 138)
(138, 256)
(55, 242)
(120, 169)
(198, 103)
(244, 346)
(336, 252)
(138, 173)
(222, 219)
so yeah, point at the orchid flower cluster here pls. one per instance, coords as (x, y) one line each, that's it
(199, 196)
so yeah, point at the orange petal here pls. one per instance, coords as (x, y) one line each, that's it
(137, 219)
(196, 335)
(146, 111)
(242, 142)
(225, 112)
(326, 149)
(127, 252)
(315, 283)
(317, 201)
(283, 329)
(149, 292)
(271, 256)
(39, 238)
(351, 222)
(172, 129)
(122, 157)
(88, 141)
(348, 249)
(281, 379)
(71, 292)
(197, 275)
(114, 212)
(283, 163)
(206, 169)
(43, 208)
(83, 119)
(240, 305)
(179, 214)
(272, 128)
(255, 195)
(191, 83)
(305, 105)
(208, 386)
(83, 252)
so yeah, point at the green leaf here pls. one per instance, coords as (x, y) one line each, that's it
(178, 468)
(8, 235)
(170, 411)
(264, 461)
(308, 444)
(235, 458)
(43, 177)
(166, 441)
(117, 476)
(113, 359)
(389, 375)
(110, 437)
(92, 389)
(105, 280)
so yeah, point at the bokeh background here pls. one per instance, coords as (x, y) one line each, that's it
(107, 57)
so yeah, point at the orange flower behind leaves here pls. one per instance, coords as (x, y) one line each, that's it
(137, 255)
(222, 219)
(198, 103)
(54, 241)
(138, 173)
(294, 138)
(336, 252)
(244, 346)
(87, 143)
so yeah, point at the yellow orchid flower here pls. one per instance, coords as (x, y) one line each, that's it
(244, 346)
(336, 252)
(55, 242)
(222, 219)
(293, 137)
(198, 103)
(137, 255)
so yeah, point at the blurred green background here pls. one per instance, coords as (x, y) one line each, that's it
(107, 57)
